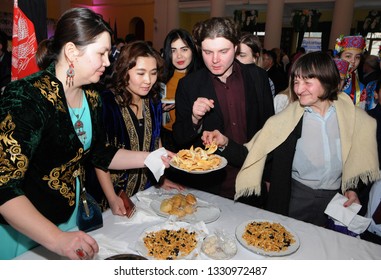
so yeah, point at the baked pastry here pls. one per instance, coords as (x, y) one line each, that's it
(189, 209)
(179, 205)
(166, 205)
(179, 212)
(191, 199)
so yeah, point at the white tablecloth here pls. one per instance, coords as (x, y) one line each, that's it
(119, 234)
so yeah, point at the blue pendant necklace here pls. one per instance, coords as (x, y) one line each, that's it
(78, 124)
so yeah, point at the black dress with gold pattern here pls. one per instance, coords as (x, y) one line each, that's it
(39, 149)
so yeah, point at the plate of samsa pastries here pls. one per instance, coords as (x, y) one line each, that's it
(186, 207)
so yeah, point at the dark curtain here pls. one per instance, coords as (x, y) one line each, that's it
(325, 28)
(286, 40)
(35, 10)
(360, 29)
(300, 38)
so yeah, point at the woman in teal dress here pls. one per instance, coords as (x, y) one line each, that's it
(50, 126)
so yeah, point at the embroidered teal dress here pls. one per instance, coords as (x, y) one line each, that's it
(40, 151)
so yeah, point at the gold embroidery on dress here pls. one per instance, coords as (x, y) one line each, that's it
(62, 178)
(50, 90)
(133, 174)
(93, 98)
(16, 165)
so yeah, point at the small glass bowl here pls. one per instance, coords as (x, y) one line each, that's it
(218, 247)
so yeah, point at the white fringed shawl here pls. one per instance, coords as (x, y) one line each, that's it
(358, 144)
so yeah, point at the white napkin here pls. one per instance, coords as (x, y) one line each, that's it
(346, 216)
(154, 193)
(155, 163)
(110, 247)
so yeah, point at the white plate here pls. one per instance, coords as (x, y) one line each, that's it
(241, 229)
(206, 213)
(141, 248)
(223, 163)
(168, 101)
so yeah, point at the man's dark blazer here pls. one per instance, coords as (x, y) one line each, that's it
(259, 104)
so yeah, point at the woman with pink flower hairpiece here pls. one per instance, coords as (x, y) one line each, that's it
(351, 48)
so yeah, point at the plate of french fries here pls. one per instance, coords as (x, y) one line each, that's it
(198, 160)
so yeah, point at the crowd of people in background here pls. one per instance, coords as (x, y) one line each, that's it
(278, 118)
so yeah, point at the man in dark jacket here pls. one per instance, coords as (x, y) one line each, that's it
(274, 71)
(226, 95)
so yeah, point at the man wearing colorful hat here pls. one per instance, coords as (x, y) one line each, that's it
(351, 48)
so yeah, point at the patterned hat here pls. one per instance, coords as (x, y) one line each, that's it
(343, 67)
(349, 43)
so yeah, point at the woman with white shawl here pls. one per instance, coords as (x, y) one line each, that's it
(319, 145)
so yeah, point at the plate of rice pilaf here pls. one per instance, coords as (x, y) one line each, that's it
(173, 241)
(267, 238)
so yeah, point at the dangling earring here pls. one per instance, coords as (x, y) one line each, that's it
(70, 75)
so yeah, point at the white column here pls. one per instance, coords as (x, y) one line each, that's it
(342, 18)
(274, 22)
(217, 8)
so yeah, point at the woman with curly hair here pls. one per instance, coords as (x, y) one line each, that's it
(132, 117)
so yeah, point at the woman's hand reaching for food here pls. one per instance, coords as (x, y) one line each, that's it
(215, 136)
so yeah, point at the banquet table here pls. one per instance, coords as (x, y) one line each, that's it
(119, 235)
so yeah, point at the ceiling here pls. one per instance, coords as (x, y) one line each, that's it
(197, 5)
